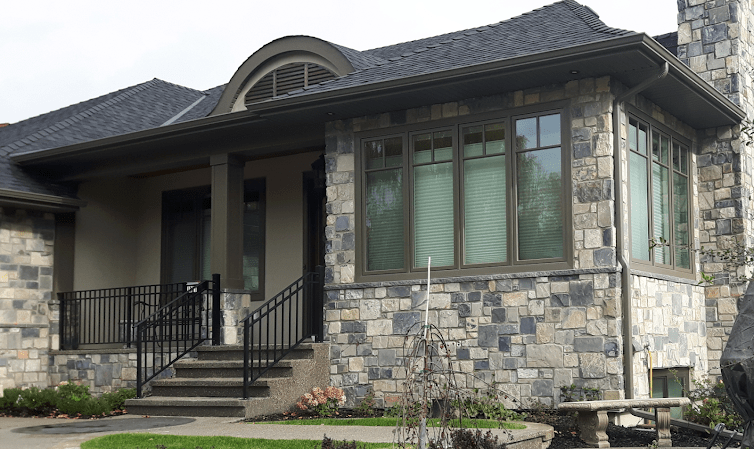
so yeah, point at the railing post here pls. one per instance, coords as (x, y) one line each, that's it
(246, 356)
(216, 309)
(318, 297)
(128, 326)
(63, 323)
(139, 376)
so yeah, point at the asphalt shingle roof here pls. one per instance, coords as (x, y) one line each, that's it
(552, 27)
(156, 103)
(143, 106)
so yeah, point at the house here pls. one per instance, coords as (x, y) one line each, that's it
(534, 160)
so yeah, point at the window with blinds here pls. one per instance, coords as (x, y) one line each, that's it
(448, 193)
(659, 193)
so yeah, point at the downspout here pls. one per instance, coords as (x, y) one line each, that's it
(628, 347)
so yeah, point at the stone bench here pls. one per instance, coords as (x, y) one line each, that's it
(592, 418)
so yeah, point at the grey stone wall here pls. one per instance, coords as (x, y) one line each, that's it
(26, 246)
(102, 370)
(714, 39)
(530, 332)
(669, 327)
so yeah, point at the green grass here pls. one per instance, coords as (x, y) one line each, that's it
(154, 441)
(390, 422)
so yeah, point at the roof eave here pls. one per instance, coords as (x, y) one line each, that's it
(39, 201)
(639, 41)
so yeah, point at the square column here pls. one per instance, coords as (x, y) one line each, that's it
(227, 220)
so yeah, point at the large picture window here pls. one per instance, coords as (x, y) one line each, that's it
(659, 189)
(468, 195)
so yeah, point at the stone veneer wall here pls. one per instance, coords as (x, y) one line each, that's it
(103, 370)
(534, 332)
(668, 322)
(26, 326)
(714, 40)
(668, 314)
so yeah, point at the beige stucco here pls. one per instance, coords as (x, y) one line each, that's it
(118, 233)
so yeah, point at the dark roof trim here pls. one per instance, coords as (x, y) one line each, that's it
(289, 44)
(152, 134)
(39, 201)
(638, 41)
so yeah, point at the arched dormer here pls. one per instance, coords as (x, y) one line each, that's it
(283, 65)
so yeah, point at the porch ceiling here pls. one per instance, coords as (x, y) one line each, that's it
(298, 123)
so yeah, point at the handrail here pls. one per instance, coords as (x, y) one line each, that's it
(107, 315)
(280, 325)
(175, 329)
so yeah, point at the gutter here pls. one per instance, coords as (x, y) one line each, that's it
(50, 203)
(625, 288)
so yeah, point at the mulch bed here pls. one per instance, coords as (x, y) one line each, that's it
(567, 434)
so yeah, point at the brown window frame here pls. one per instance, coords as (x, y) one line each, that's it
(653, 127)
(456, 125)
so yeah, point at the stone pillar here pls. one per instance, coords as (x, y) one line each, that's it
(714, 41)
(227, 220)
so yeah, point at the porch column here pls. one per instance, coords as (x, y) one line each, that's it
(227, 219)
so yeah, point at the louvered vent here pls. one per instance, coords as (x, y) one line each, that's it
(286, 79)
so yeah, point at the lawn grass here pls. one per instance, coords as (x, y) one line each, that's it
(154, 441)
(390, 422)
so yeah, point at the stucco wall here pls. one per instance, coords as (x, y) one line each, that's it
(119, 232)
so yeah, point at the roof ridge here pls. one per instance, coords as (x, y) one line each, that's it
(68, 121)
(591, 18)
(573, 5)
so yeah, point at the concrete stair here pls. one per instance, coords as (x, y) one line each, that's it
(212, 384)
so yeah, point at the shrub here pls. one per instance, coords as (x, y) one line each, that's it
(469, 439)
(366, 406)
(327, 443)
(322, 402)
(711, 405)
(488, 405)
(67, 398)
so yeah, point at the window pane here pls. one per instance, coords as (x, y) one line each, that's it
(549, 130)
(443, 146)
(681, 220)
(495, 137)
(384, 220)
(632, 135)
(373, 154)
(680, 159)
(639, 207)
(664, 149)
(642, 139)
(422, 146)
(526, 133)
(540, 205)
(433, 215)
(484, 210)
(661, 211)
(472, 141)
(655, 147)
(253, 244)
(394, 152)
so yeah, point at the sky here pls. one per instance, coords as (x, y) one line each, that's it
(57, 53)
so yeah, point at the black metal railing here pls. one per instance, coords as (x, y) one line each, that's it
(176, 328)
(277, 327)
(106, 316)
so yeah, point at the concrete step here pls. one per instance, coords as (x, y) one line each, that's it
(192, 368)
(198, 406)
(216, 388)
(235, 352)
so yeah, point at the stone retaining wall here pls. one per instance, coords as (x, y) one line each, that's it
(102, 370)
